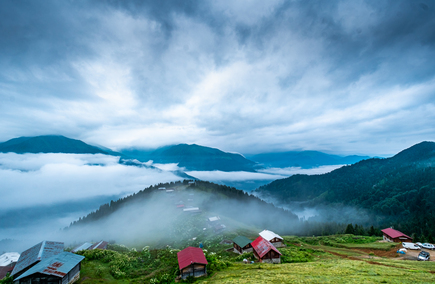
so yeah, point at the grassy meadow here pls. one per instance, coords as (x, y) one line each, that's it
(326, 259)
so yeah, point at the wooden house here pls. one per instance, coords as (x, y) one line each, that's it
(35, 254)
(242, 244)
(275, 239)
(4, 270)
(99, 245)
(392, 235)
(192, 262)
(265, 251)
(63, 268)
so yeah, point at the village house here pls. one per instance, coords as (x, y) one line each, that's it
(89, 246)
(392, 235)
(99, 245)
(192, 262)
(265, 251)
(192, 210)
(242, 244)
(35, 254)
(63, 268)
(81, 247)
(213, 219)
(275, 239)
(7, 263)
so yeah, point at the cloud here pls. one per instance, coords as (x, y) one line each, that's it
(297, 170)
(46, 179)
(249, 76)
(215, 176)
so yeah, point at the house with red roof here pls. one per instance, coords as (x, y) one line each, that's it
(192, 262)
(265, 251)
(392, 235)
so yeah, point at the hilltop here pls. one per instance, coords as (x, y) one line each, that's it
(399, 190)
(49, 144)
(160, 215)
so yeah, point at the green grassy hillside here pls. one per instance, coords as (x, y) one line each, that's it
(333, 259)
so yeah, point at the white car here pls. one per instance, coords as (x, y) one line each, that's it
(410, 245)
(428, 246)
(419, 244)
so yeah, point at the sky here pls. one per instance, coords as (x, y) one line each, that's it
(348, 77)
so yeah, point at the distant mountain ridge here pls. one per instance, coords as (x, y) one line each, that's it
(400, 189)
(303, 159)
(49, 144)
(195, 157)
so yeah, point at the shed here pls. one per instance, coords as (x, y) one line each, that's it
(4, 270)
(59, 269)
(99, 245)
(213, 219)
(192, 262)
(265, 251)
(81, 247)
(392, 235)
(242, 244)
(275, 239)
(35, 254)
(9, 258)
(192, 210)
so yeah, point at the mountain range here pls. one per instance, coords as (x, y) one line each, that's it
(191, 157)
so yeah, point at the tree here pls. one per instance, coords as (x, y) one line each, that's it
(349, 229)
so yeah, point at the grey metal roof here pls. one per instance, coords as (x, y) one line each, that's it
(58, 265)
(38, 252)
(99, 245)
(84, 246)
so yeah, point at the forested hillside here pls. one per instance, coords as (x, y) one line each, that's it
(400, 190)
(157, 215)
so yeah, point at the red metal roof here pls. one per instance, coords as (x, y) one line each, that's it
(190, 255)
(5, 269)
(262, 246)
(394, 233)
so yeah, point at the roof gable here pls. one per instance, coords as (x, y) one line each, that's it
(190, 255)
(394, 233)
(242, 241)
(269, 235)
(57, 265)
(262, 246)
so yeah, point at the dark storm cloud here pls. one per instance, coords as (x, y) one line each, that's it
(257, 75)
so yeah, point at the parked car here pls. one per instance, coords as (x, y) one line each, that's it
(428, 246)
(424, 255)
(419, 244)
(410, 245)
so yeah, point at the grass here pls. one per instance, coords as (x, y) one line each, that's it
(333, 259)
(326, 271)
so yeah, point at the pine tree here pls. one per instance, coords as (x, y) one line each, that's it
(349, 229)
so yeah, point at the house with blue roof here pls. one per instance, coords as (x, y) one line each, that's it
(63, 268)
(35, 254)
(47, 263)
